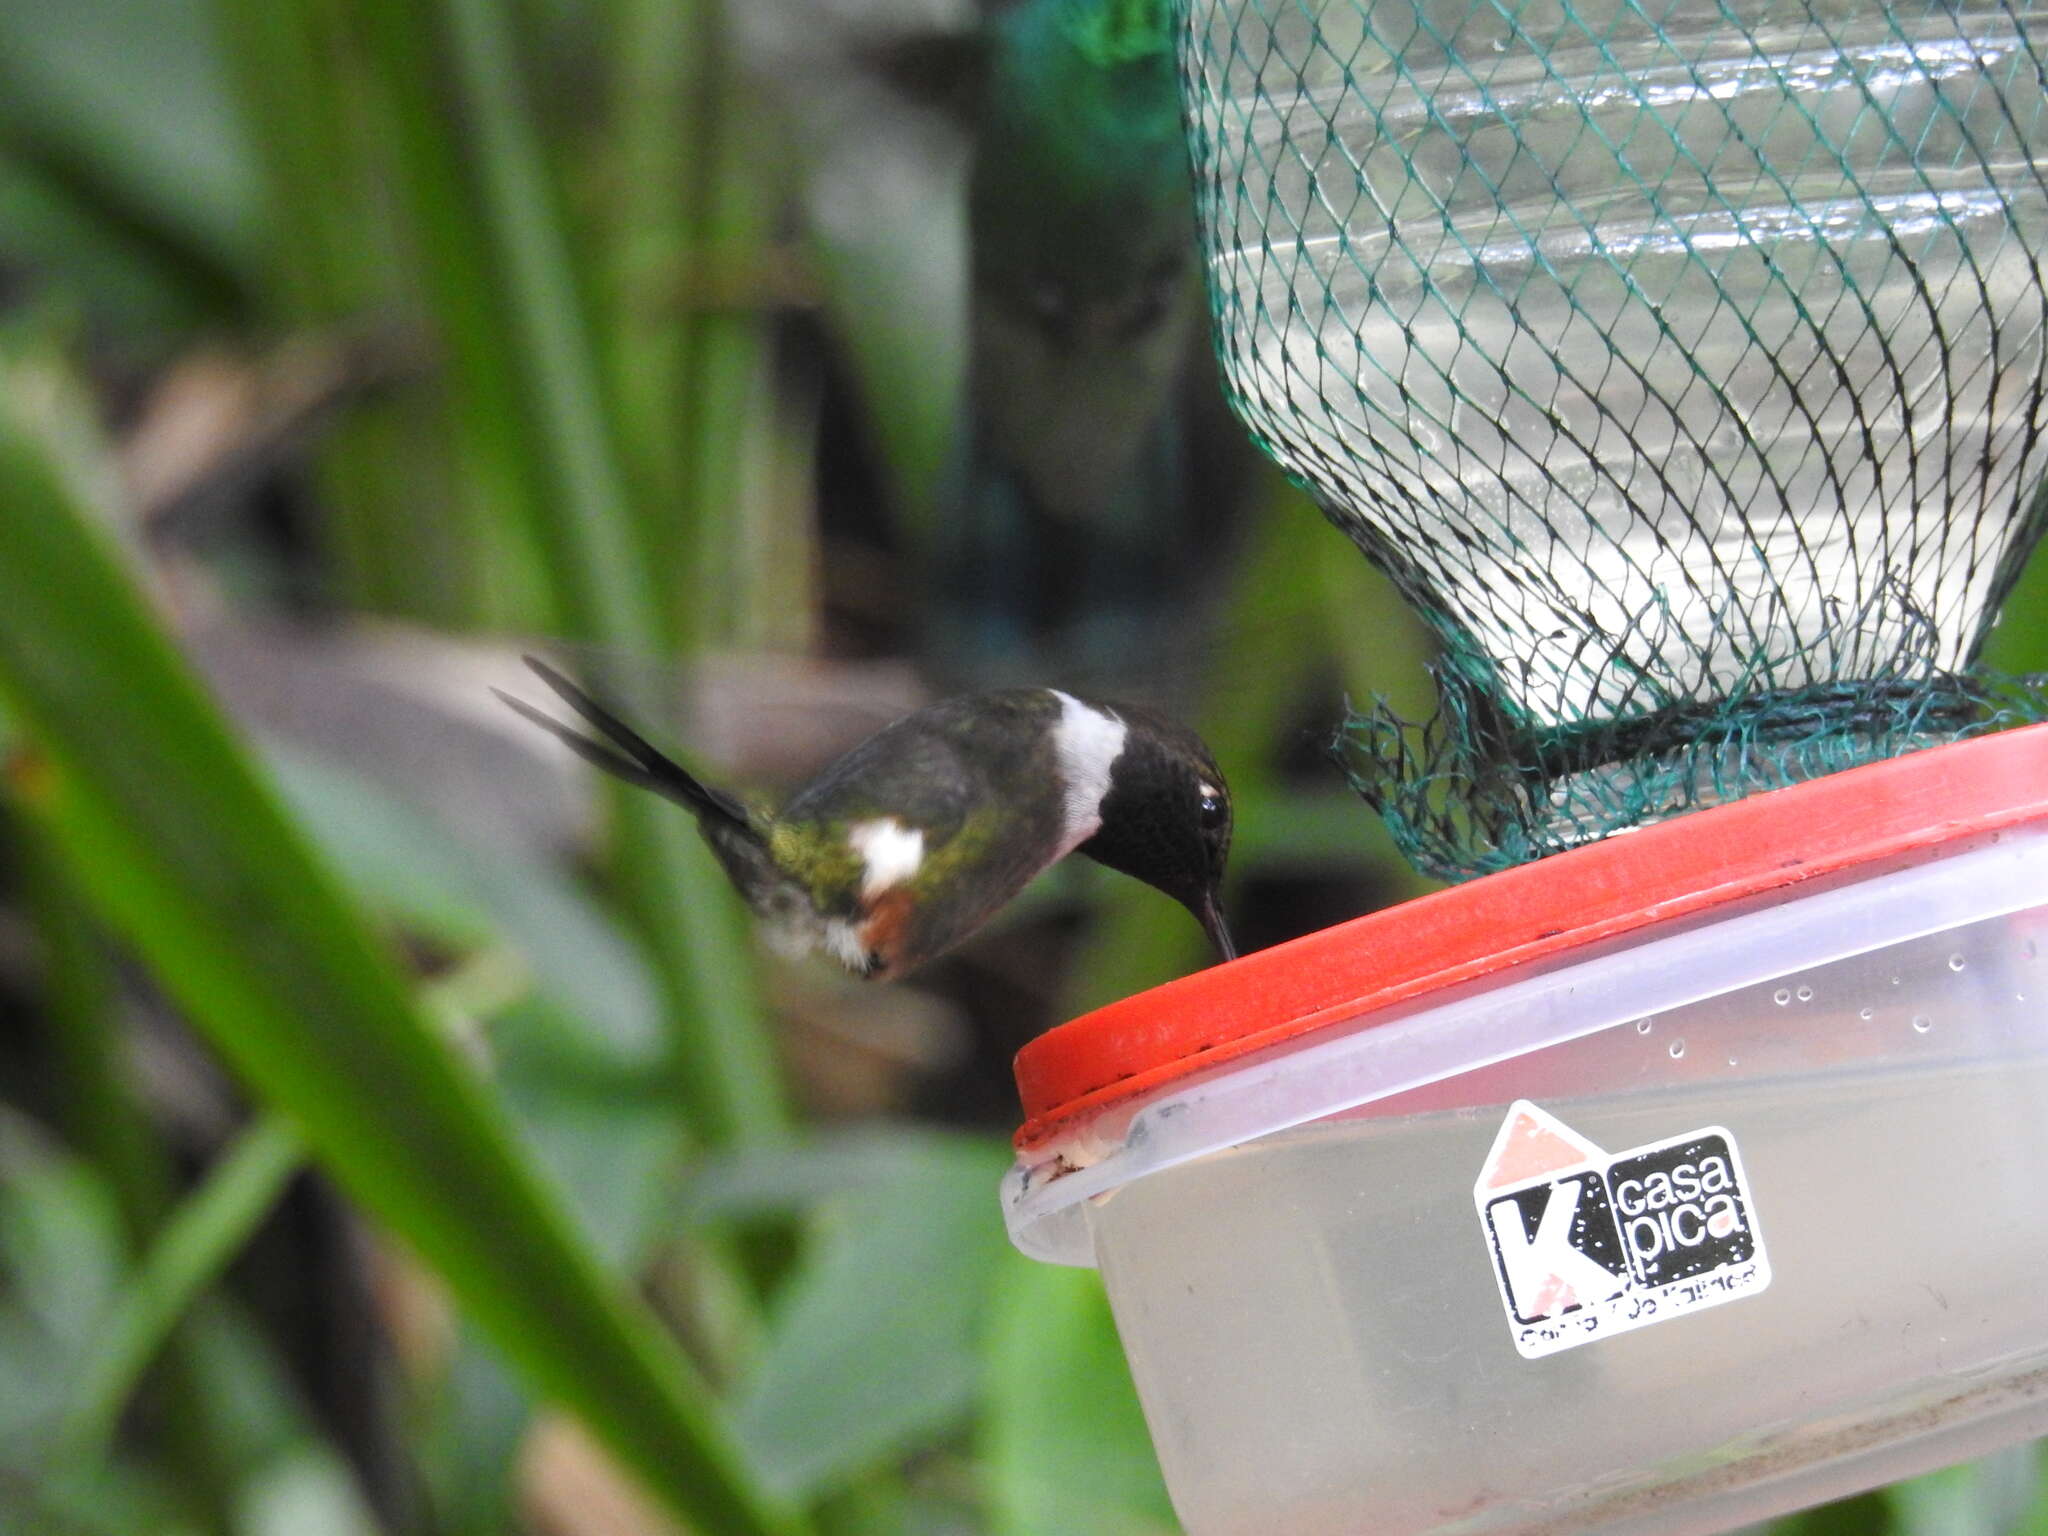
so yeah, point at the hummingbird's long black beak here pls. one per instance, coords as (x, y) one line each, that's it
(1211, 917)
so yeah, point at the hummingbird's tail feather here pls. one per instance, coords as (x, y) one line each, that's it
(628, 755)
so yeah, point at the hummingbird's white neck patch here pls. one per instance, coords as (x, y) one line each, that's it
(890, 853)
(1088, 741)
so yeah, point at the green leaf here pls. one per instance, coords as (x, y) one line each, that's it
(305, 1493)
(89, 259)
(128, 102)
(459, 893)
(107, 1501)
(875, 1347)
(159, 815)
(476, 1424)
(613, 1148)
(578, 1051)
(1867, 1514)
(195, 1245)
(2034, 1522)
(1064, 1446)
(61, 1252)
(60, 1249)
(1988, 1497)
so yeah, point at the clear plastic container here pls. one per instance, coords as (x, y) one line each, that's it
(1665, 1185)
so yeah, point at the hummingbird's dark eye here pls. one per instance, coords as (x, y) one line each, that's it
(1214, 811)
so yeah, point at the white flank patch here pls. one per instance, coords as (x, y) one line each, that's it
(891, 852)
(1089, 741)
(802, 933)
(842, 943)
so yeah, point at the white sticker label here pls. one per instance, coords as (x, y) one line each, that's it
(1587, 1243)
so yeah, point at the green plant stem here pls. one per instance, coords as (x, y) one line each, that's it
(217, 1220)
(692, 348)
(400, 545)
(80, 998)
(509, 229)
(499, 468)
(80, 993)
(195, 1245)
(726, 406)
(663, 65)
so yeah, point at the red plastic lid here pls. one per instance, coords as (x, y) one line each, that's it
(1678, 868)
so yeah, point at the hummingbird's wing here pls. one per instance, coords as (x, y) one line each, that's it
(861, 842)
(952, 811)
(916, 777)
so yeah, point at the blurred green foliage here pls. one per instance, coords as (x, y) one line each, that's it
(504, 321)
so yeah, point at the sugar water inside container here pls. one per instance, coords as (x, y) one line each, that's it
(1315, 1325)
(1716, 329)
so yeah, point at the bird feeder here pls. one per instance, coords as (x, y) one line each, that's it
(1683, 363)
(1663, 1185)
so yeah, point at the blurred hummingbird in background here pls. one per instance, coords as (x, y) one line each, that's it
(1083, 233)
(1068, 515)
(911, 841)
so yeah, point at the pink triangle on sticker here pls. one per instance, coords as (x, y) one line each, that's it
(1532, 1143)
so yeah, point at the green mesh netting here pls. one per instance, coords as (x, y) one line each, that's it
(1682, 362)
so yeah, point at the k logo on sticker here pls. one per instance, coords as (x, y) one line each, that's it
(1587, 1244)
(1558, 1246)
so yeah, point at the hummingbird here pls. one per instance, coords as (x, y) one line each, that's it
(1090, 483)
(912, 840)
(1083, 253)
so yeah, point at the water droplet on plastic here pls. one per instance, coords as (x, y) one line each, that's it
(1804, 994)
(1731, 1061)
(1643, 1026)
(1866, 1013)
(1955, 962)
(1895, 981)
(1922, 1023)
(1677, 1049)
(1781, 997)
